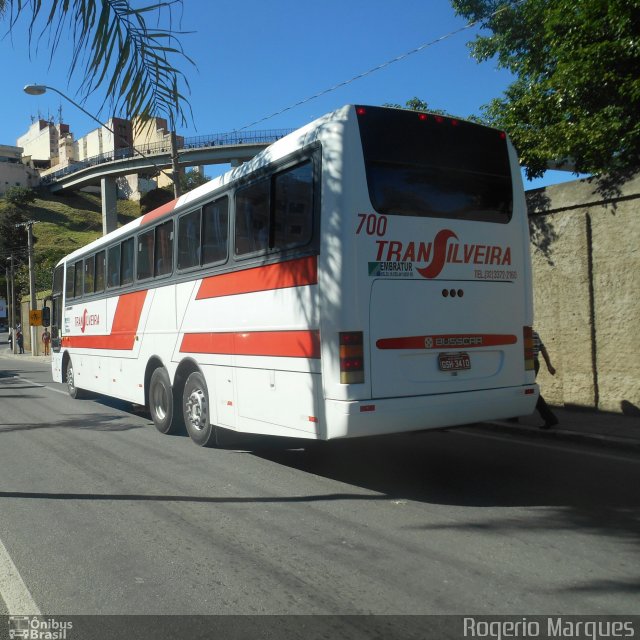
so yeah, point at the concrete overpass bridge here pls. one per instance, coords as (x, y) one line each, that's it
(103, 170)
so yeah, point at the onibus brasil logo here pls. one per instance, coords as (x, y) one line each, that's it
(38, 628)
(398, 258)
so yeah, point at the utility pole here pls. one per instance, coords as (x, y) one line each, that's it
(32, 288)
(32, 285)
(175, 164)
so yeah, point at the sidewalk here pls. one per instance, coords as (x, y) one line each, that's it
(584, 425)
(5, 351)
(578, 425)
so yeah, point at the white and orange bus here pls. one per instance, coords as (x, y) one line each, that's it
(367, 274)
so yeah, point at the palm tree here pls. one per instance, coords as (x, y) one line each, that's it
(114, 48)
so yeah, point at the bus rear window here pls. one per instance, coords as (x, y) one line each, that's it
(433, 166)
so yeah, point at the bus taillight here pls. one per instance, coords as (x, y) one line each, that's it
(527, 334)
(351, 357)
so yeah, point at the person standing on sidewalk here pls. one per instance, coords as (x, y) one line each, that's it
(542, 407)
(20, 341)
(46, 340)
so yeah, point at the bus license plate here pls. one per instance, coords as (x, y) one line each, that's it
(454, 361)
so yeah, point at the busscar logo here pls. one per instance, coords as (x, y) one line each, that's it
(444, 249)
(86, 320)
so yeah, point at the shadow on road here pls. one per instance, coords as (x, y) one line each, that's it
(573, 490)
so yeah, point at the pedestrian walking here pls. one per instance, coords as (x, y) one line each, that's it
(542, 407)
(20, 341)
(46, 340)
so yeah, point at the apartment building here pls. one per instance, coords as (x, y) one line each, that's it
(53, 147)
(41, 142)
(13, 173)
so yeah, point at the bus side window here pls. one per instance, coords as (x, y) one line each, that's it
(78, 278)
(189, 240)
(113, 266)
(69, 292)
(145, 255)
(293, 209)
(88, 274)
(215, 231)
(99, 271)
(126, 262)
(252, 218)
(164, 249)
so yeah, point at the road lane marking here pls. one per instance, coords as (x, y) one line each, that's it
(13, 590)
(62, 391)
(43, 386)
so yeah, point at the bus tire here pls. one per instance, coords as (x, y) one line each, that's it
(161, 405)
(196, 411)
(74, 392)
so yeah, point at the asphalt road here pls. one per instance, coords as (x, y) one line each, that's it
(101, 514)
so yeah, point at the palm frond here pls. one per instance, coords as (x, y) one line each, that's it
(115, 49)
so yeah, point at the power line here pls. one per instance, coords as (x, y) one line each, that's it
(388, 63)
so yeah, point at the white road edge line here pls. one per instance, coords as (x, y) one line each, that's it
(542, 445)
(43, 386)
(64, 393)
(13, 590)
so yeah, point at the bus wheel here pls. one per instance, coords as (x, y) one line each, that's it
(195, 407)
(74, 392)
(161, 403)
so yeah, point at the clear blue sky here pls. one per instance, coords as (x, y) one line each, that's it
(255, 58)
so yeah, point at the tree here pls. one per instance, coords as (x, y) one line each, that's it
(13, 239)
(20, 196)
(576, 96)
(115, 48)
(416, 104)
(191, 179)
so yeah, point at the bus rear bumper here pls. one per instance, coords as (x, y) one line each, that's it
(350, 419)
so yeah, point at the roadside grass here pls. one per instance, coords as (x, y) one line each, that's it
(68, 222)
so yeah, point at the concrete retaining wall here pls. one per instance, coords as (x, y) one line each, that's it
(586, 267)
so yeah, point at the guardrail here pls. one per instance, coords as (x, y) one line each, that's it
(195, 142)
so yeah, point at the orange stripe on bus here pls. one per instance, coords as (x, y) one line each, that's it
(447, 341)
(159, 212)
(286, 344)
(123, 329)
(293, 273)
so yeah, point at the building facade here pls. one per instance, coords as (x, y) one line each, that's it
(13, 173)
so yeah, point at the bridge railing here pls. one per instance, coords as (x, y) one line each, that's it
(194, 142)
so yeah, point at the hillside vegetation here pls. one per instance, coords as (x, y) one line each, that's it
(64, 223)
